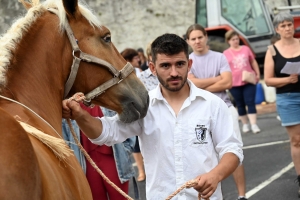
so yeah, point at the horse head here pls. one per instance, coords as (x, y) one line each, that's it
(102, 69)
(98, 69)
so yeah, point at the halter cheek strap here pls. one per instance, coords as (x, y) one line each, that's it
(118, 76)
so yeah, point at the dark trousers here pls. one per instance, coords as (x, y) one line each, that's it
(136, 148)
(244, 96)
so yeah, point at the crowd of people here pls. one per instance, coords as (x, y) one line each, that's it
(174, 138)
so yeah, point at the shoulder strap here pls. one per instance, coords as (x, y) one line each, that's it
(272, 50)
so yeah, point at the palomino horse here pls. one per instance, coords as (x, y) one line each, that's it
(36, 74)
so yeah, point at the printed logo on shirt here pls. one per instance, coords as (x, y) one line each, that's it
(200, 131)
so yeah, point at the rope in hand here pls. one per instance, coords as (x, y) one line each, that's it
(188, 184)
(78, 97)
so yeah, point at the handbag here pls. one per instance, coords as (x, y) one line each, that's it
(249, 77)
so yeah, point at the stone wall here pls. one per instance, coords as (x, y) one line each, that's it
(133, 23)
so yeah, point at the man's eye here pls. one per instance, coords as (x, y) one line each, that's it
(180, 64)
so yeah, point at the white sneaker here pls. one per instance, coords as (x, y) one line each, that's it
(255, 128)
(246, 128)
(278, 118)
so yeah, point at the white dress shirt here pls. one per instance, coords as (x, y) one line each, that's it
(178, 148)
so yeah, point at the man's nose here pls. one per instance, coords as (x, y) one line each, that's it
(173, 71)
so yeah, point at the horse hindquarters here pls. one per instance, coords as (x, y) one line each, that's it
(19, 171)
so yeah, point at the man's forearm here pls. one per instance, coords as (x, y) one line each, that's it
(203, 83)
(91, 126)
(223, 84)
(219, 86)
(228, 163)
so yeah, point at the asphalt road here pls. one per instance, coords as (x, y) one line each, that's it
(268, 166)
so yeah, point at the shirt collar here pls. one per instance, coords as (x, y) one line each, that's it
(156, 95)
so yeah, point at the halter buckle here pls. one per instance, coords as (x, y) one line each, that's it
(74, 52)
(87, 102)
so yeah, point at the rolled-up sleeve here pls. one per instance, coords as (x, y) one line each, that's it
(114, 131)
(224, 139)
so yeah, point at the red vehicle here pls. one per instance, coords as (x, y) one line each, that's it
(252, 19)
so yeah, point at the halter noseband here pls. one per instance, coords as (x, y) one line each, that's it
(118, 75)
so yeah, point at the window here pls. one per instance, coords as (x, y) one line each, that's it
(247, 16)
(201, 13)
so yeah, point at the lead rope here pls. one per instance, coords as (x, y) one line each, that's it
(9, 99)
(188, 184)
(79, 97)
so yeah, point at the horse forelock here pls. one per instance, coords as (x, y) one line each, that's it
(10, 40)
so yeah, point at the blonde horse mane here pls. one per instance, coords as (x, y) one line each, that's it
(10, 40)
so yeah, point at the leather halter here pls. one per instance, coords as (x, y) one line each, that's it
(118, 76)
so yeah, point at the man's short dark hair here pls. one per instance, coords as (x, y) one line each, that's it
(168, 44)
(128, 54)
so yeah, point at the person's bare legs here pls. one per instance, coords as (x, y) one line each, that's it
(239, 173)
(294, 134)
(239, 179)
(244, 119)
(140, 165)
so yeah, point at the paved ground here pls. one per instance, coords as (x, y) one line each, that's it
(269, 170)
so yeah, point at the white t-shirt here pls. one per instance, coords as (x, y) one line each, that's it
(178, 148)
(211, 64)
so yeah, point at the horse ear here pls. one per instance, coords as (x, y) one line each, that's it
(26, 4)
(71, 6)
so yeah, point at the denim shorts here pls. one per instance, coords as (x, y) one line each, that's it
(288, 108)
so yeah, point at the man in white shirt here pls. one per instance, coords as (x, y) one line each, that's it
(210, 71)
(187, 133)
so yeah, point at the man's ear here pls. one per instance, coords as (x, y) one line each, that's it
(152, 68)
(190, 63)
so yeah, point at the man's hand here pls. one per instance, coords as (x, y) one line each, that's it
(91, 126)
(207, 184)
(71, 109)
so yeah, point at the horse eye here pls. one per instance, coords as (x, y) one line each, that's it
(107, 39)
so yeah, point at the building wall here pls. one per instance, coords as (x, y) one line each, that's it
(133, 23)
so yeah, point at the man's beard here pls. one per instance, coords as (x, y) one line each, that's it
(167, 86)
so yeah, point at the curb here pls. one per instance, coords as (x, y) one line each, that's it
(265, 108)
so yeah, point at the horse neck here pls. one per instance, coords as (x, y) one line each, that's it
(36, 76)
